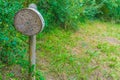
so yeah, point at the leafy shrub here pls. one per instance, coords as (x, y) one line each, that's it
(67, 13)
(11, 44)
(91, 9)
(63, 12)
(106, 9)
(113, 7)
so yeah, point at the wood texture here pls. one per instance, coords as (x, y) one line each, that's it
(32, 57)
(28, 21)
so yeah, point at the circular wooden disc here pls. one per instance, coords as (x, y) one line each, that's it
(28, 21)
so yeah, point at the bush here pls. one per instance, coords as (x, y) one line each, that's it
(113, 8)
(11, 44)
(62, 12)
(105, 9)
(67, 13)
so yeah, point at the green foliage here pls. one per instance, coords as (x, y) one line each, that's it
(90, 8)
(68, 13)
(39, 75)
(106, 9)
(63, 12)
(11, 44)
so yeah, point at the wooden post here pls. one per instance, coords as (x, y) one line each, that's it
(32, 57)
(32, 52)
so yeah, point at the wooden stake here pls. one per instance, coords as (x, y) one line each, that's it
(32, 52)
(32, 57)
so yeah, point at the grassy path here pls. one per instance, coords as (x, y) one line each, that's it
(91, 53)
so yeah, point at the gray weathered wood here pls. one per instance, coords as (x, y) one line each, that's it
(29, 21)
(32, 52)
(32, 57)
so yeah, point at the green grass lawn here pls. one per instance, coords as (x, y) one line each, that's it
(90, 53)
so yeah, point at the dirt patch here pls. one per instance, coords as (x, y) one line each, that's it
(112, 40)
(13, 71)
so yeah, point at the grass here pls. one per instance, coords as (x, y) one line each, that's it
(91, 53)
